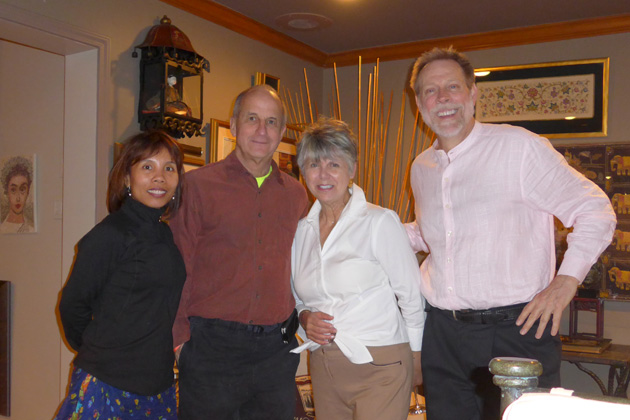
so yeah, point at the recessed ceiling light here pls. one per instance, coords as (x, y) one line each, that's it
(303, 21)
(481, 73)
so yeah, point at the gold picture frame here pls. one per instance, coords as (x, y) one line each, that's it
(267, 79)
(556, 100)
(222, 142)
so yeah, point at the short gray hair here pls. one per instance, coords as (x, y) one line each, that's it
(325, 139)
(239, 100)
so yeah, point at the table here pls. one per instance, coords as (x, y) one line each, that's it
(617, 357)
(422, 416)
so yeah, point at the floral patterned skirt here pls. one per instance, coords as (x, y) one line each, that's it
(90, 398)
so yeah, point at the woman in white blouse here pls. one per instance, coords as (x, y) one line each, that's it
(356, 282)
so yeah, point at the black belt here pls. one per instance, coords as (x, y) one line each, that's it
(482, 316)
(235, 326)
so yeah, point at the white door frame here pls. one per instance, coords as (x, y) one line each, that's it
(87, 136)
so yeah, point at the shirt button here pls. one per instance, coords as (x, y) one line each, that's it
(257, 296)
(450, 289)
(448, 206)
(446, 179)
(448, 260)
(260, 241)
(449, 233)
(259, 214)
(251, 322)
(260, 267)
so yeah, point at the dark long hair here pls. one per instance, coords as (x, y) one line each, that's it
(137, 148)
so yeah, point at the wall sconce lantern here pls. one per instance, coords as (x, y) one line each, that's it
(171, 82)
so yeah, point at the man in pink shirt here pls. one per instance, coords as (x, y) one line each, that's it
(485, 199)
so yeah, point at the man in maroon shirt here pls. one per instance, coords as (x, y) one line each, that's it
(235, 229)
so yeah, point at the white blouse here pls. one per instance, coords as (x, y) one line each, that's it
(366, 276)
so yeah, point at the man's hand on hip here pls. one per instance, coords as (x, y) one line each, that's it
(549, 303)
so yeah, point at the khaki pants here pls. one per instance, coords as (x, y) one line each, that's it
(380, 390)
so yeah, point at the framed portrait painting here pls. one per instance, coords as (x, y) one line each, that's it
(18, 213)
(222, 142)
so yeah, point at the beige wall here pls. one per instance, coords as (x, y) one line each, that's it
(233, 57)
(394, 76)
(35, 339)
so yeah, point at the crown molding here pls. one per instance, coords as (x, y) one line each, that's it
(488, 40)
(243, 25)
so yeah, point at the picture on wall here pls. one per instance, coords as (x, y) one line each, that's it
(267, 79)
(285, 157)
(18, 196)
(195, 151)
(222, 142)
(559, 99)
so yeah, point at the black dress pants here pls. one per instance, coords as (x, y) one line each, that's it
(455, 358)
(229, 371)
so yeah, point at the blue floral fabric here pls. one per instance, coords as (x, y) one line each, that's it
(90, 398)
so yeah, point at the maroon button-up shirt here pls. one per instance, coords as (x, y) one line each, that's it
(236, 242)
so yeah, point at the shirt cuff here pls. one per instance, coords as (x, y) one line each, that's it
(415, 338)
(574, 267)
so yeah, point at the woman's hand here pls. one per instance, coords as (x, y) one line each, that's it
(318, 327)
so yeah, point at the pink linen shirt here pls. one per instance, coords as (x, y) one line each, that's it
(484, 213)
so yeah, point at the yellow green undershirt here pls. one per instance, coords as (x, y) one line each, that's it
(261, 179)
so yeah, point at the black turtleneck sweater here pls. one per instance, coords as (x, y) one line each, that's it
(120, 301)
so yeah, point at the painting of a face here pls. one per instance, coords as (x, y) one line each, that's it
(17, 195)
(18, 189)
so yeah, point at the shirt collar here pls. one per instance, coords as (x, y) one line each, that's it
(470, 140)
(236, 166)
(356, 206)
(142, 212)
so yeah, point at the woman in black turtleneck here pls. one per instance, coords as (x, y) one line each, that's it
(118, 306)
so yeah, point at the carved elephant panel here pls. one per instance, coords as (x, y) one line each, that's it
(621, 203)
(620, 277)
(620, 164)
(621, 240)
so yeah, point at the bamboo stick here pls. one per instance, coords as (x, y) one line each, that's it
(406, 175)
(290, 111)
(382, 153)
(333, 106)
(337, 88)
(373, 137)
(308, 96)
(302, 103)
(391, 201)
(367, 130)
(297, 106)
(290, 101)
(359, 122)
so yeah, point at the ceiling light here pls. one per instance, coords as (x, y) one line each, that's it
(303, 21)
(481, 73)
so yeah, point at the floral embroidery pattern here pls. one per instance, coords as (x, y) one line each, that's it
(548, 98)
